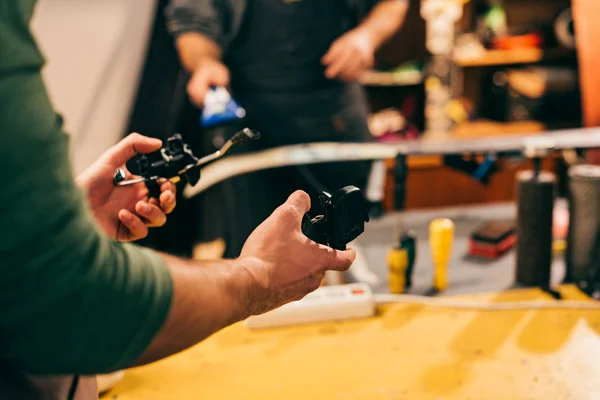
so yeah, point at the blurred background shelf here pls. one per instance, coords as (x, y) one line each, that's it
(490, 84)
(380, 78)
(515, 56)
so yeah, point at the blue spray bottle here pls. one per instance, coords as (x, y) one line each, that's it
(220, 108)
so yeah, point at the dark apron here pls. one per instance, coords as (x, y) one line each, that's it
(277, 76)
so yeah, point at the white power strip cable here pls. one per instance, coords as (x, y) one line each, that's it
(356, 300)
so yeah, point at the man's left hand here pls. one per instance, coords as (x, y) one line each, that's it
(349, 56)
(125, 212)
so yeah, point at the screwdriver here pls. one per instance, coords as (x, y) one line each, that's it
(441, 238)
(401, 261)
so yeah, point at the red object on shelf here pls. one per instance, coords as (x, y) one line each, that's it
(560, 225)
(491, 250)
(530, 40)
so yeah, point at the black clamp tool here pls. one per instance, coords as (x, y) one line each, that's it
(345, 213)
(176, 161)
(343, 219)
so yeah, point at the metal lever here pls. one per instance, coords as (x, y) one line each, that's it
(245, 135)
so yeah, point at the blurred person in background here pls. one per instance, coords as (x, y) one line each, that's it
(294, 66)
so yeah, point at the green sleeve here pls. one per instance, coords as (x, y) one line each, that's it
(71, 299)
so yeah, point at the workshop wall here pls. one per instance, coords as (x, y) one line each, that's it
(93, 66)
(585, 13)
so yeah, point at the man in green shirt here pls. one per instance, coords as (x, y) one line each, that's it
(77, 301)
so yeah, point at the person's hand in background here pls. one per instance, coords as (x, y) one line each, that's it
(125, 213)
(283, 262)
(209, 72)
(349, 56)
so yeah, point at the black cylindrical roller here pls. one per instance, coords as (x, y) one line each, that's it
(584, 221)
(400, 176)
(535, 204)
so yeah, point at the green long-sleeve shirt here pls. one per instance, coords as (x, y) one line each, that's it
(72, 300)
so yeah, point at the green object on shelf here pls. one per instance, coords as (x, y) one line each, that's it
(412, 66)
(495, 19)
(408, 67)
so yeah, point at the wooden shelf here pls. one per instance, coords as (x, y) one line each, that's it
(508, 57)
(485, 128)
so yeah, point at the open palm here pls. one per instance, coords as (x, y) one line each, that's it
(125, 212)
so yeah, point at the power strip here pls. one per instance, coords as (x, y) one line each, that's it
(327, 303)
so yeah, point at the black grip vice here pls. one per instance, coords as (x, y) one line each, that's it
(343, 220)
(167, 163)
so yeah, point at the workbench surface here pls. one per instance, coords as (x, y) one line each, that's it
(406, 352)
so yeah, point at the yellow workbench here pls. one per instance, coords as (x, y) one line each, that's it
(406, 352)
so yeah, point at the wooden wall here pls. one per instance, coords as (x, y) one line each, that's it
(587, 27)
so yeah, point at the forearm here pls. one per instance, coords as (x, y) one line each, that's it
(207, 296)
(384, 20)
(194, 47)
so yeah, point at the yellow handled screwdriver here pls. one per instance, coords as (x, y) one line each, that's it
(441, 239)
(397, 265)
(401, 262)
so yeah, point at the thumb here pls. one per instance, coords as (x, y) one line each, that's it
(340, 260)
(298, 203)
(197, 88)
(132, 145)
(335, 48)
(220, 79)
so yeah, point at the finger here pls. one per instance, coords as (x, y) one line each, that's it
(221, 78)
(336, 260)
(153, 215)
(197, 88)
(133, 144)
(168, 186)
(168, 197)
(332, 53)
(338, 64)
(290, 213)
(197, 94)
(167, 202)
(135, 228)
(354, 71)
(299, 203)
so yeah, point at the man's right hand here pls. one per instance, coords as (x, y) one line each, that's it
(278, 264)
(209, 72)
(283, 262)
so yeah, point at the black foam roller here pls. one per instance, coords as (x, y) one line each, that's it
(584, 221)
(535, 205)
